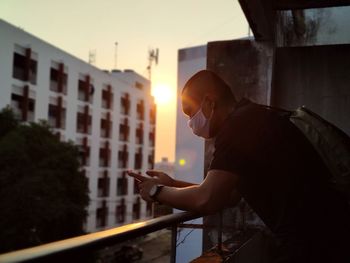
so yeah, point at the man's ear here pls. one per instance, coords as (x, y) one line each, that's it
(213, 105)
(211, 102)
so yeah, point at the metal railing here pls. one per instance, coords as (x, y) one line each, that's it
(73, 247)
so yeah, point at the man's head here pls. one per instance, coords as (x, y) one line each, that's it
(206, 100)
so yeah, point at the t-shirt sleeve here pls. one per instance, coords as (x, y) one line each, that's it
(227, 154)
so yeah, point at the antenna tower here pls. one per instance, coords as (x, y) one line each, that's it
(115, 54)
(153, 56)
(92, 57)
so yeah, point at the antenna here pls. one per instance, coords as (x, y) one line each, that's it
(92, 57)
(115, 54)
(153, 55)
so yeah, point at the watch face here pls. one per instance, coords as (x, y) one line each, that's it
(153, 190)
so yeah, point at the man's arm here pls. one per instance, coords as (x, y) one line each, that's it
(212, 195)
(163, 178)
(235, 197)
(182, 184)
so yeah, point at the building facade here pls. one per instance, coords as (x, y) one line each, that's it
(111, 116)
(189, 153)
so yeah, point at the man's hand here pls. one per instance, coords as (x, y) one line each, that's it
(138, 176)
(158, 176)
(161, 178)
(145, 188)
(144, 184)
(212, 195)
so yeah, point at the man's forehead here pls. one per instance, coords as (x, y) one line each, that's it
(190, 101)
(192, 96)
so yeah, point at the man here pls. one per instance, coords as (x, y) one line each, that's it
(261, 156)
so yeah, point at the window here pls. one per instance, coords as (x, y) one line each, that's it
(312, 26)
(23, 106)
(57, 114)
(124, 130)
(136, 187)
(103, 185)
(151, 137)
(151, 160)
(122, 186)
(152, 114)
(101, 215)
(123, 156)
(149, 208)
(139, 134)
(24, 67)
(120, 212)
(138, 85)
(107, 97)
(140, 110)
(105, 154)
(84, 121)
(136, 209)
(58, 78)
(138, 159)
(85, 89)
(106, 126)
(84, 152)
(125, 104)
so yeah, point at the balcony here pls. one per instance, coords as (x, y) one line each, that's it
(57, 115)
(107, 98)
(58, 79)
(89, 246)
(24, 66)
(125, 104)
(85, 89)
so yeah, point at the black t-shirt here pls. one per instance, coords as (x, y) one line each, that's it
(281, 176)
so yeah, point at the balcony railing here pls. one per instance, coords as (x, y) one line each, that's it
(255, 247)
(73, 248)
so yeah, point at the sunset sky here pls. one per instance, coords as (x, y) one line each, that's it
(78, 26)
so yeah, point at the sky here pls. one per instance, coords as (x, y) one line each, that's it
(79, 27)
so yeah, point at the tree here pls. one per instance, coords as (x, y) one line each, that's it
(43, 194)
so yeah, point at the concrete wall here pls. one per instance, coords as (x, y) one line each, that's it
(320, 26)
(246, 66)
(317, 77)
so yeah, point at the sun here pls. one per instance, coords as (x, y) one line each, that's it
(162, 93)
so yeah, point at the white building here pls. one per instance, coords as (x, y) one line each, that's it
(189, 156)
(111, 115)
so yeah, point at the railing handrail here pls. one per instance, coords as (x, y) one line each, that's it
(98, 239)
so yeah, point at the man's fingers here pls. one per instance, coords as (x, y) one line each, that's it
(153, 173)
(138, 177)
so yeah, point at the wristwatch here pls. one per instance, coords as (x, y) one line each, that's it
(155, 190)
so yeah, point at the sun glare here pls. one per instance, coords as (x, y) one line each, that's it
(162, 93)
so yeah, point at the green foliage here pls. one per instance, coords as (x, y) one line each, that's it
(43, 195)
(7, 121)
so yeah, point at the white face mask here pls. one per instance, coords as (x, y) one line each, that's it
(200, 124)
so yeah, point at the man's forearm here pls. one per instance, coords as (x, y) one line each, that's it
(185, 198)
(190, 198)
(181, 184)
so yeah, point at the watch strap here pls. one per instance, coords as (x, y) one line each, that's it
(159, 188)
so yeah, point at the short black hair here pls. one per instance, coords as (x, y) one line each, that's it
(206, 81)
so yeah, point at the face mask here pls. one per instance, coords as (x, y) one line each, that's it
(200, 124)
